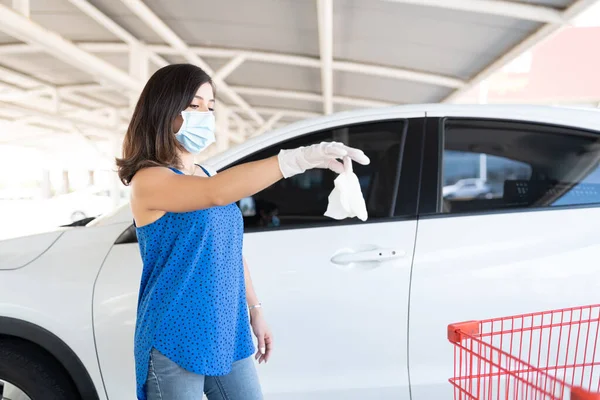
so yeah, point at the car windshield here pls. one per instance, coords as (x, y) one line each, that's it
(100, 219)
(29, 212)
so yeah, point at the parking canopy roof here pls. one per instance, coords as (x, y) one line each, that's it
(76, 66)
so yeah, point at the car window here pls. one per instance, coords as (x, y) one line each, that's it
(517, 165)
(302, 199)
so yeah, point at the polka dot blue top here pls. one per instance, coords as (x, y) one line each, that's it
(192, 299)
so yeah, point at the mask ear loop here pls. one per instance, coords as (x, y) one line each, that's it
(182, 113)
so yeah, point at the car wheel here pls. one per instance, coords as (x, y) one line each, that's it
(28, 372)
(8, 391)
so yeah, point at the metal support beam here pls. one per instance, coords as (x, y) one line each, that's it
(540, 35)
(238, 120)
(93, 145)
(312, 62)
(228, 68)
(110, 47)
(355, 102)
(26, 30)
(10, 130)
(269, 58)
(325, 17)
(269, 124)
(84, 95)
(286, 112)
(66, 185)
(237, 139)
(398, 73)
(86, 87)
(55, 99)
(308, 96)
(139, 64)
(259, 56)
(19, 81)
(161, 29)
(46, 185)
(22, 95)
(139, 67)
(91, 11)
(22, 7)
(88, 122)
(240, 136)
(222, 122)
(115, 184)
(18, 48)
(82, 101)
(501, 8)
(280, 94)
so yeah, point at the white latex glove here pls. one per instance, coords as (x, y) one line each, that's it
(346, 199)
(323, 155)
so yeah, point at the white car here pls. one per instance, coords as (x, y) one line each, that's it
(468, 189)
(359, 310)
(91, 201)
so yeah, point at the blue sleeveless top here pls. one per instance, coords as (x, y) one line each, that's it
(192, 299)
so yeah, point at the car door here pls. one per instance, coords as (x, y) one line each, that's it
(340, 326)
(336, 292)
(530, 245)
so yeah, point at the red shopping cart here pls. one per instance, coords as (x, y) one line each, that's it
(547, 355)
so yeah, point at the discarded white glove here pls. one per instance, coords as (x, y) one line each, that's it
(323, 155)
(346, 199)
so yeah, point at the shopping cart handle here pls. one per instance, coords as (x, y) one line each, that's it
(581, 394)
(367, 256)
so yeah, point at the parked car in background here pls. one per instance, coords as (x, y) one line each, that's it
(90, 201)
(471, 188)
(359, 310)
(11, 194)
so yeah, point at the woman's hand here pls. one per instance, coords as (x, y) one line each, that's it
(322, 155)
(263, 335)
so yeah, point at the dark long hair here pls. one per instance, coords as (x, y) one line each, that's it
(150, 140)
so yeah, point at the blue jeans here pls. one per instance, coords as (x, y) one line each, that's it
(168, 381)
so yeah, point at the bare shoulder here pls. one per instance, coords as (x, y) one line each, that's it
(145, 184)
(144, 173)
(149, 177)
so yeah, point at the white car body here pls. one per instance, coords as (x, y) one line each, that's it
(365, 330)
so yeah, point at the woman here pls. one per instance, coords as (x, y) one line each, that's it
(196, 304)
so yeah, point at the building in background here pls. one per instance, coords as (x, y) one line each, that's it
(563, 70)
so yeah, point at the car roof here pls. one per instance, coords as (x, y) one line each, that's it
(574, 117)
(583, 118)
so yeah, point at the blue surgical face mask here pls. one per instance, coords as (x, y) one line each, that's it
(197, 131)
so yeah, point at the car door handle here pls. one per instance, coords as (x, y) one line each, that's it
(378, 255)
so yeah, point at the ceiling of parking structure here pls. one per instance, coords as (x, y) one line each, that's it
(76, 66)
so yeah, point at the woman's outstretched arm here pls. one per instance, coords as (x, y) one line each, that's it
(158, 188)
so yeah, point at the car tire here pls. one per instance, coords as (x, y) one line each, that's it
(35, 371)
